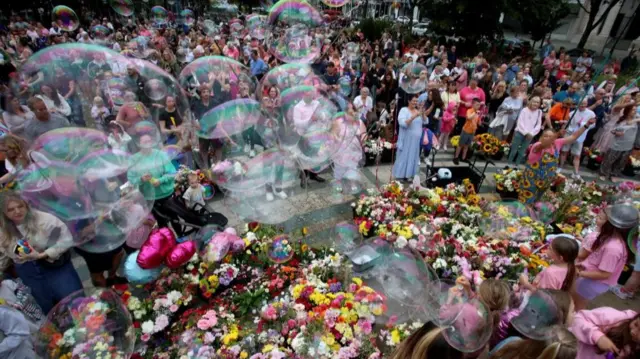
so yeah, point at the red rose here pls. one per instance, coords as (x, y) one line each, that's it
(253, 226)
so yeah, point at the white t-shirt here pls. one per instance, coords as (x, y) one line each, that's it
(193, 196)
(361, 107)
(580, 119)
(302, 115)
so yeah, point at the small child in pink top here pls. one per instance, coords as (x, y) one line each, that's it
(607, 330)
(561, 274)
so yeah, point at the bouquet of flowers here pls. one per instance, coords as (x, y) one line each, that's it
(508, 180)
(182, 179)
(373, 147)
(91, 325)
(487, 144)
(594, 157)
(455, 141)
(506, 147)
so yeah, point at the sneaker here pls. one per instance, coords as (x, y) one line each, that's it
(270, 197)
(445, 147)
(281, 194)
(620, 292)
(252, 154)
(456, 161)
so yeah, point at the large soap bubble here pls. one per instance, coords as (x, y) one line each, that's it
(539, 315)
(188, 17)
(223, 76)
(256, 24)
(472, 328)
(68, 144)
(293, 25)
(413, 78)
(88, 323)
(65, 18)
(348, 133)
(159, 16)
(122, 7)
(288, 76)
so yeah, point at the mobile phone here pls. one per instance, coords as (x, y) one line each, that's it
(15, 250)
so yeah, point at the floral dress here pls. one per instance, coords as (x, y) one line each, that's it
(537, 177)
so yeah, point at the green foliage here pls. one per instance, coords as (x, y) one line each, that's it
(373, 29)
(538, 18)
(472, 19)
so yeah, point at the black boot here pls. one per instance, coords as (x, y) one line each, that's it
(316, 178)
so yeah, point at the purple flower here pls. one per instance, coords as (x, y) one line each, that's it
(335, 287)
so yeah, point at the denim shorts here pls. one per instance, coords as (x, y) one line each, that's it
(466, 138)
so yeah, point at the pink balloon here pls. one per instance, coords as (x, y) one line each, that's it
(156, 248)
(181, 254)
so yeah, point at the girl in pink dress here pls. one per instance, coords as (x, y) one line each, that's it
(561, 273)
(607, 256)
(606, 330)
(448, 122)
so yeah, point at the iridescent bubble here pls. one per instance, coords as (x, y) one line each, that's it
(293, 28)
(100, 31)
(155, 89)
(123, 7)
(256, 26)
(223, 76)
(472, 328)
(335, 3)
(348, 133)
(188, 17)
(116, 90)
(65, 17)
(544, 212)
(69, 144)
(280, 249)
(94, 318)
(345, 86)
(229, 119)
(147, 129)
(352, 51)
(287, 76)
(539, 315)
(632, 240)
(413, 78)
(159, 15)
(346, 237)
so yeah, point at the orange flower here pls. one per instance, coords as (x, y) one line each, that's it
(54, 340)
(94, 322)
(525, 251)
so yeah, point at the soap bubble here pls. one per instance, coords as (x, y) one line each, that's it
(352, 51)
(229, 119)
(287, 76)
(539, 315)
(123, 7)
(147, 135)
(632, 240)
(292, 36)
(100, 31)
(413, 78)
(347, 132)
(256, 26)
(544, 212)
(280, 249)
(188, 17)
(94, 322)
(159, 16)
(155, 89)
(346, 237)
(68, 144)
(345, 86)
(65, 18)
(335, 3)
(472, 328)
(227, 76)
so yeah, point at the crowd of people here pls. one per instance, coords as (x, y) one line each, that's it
(546, 113)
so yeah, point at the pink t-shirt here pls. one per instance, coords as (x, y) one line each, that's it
(610, 257)
(467, 95)
(551, 278)
(535, 157)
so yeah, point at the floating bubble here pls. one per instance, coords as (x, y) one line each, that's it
(538, 316)
(348, 133)
(173, 152)
(280, 249)
(123, 7)
(345, 86)
(116, 90)
(100, 31)
(472, 328)
(65, 17)
(346, 237)
(256, 24)
(288, 76)
(104, 164)
(159, 15)
(352, 51)
(147, 135)
(413, 78)
(188, 17)
(230, 118)
(335, 3)
(227, 76)
(69, 144)
(293, 28)
(155, 89)
(632, 240)
(94, 322)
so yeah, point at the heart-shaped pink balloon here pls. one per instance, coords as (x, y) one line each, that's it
(181, 254)
(156, 248)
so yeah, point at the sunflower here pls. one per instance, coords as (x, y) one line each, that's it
(526, 194)
(541, 183)
(500, 187)
(529, 173)
(547, 158)
(535, 165)
(526, 183)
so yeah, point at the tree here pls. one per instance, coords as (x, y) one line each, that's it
(593, 10)
(472, 19)
(539, 18)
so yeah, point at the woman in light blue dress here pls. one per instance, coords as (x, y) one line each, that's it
(408, 153)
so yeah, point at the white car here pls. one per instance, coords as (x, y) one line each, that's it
(420, 29)
(403, 19)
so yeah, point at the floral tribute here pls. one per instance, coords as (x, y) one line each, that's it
(487, 144)
(508, 180)
(249, 305)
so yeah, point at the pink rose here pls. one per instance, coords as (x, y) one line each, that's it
(203, 324)
(145, 337)
(173, 308)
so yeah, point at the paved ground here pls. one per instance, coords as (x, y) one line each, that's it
(320, 208)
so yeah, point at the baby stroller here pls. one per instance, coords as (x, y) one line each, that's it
(186, 221)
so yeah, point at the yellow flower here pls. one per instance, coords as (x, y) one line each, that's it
(357, 281)
(526, 219)
(395, 336)
(244, 355)
(535, 165)
(267, 348)
(305, 231)
(408, 210)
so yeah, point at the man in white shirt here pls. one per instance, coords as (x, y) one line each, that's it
(54, 30)
(437, 74)
(303, 113)
(579, 118)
